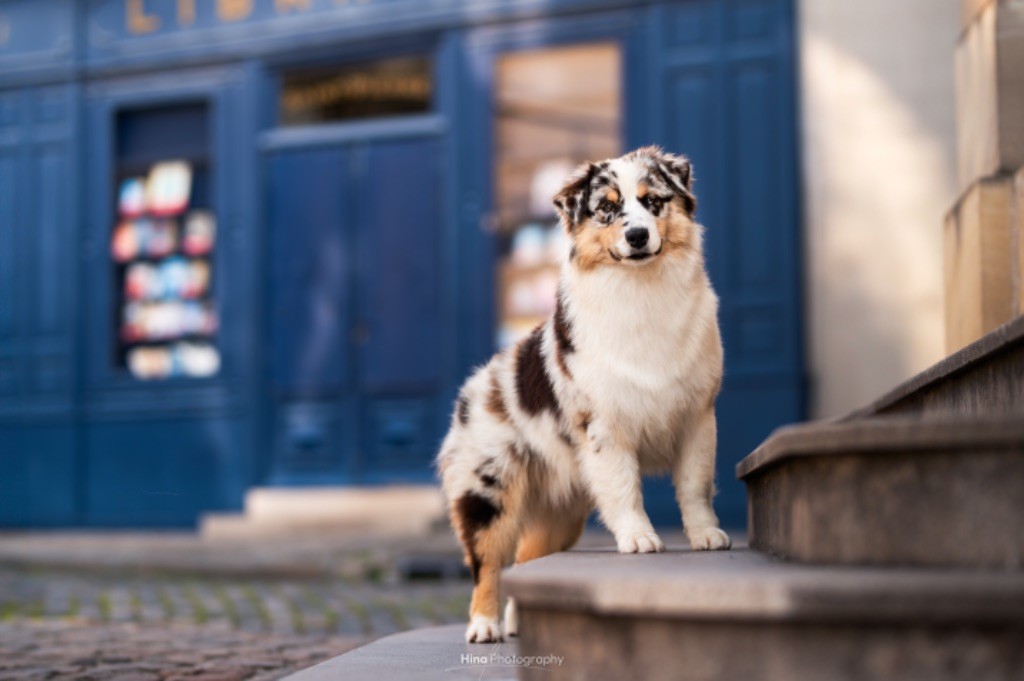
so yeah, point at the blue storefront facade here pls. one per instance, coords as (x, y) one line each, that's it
(351, 283)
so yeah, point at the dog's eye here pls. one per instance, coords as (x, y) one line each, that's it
(606, 206)
(651, 202)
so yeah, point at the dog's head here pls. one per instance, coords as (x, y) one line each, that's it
(629, 211)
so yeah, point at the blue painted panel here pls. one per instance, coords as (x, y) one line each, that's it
(398, 229)
(162, 473)
(315, 442)
(37, 236)
(51, 244)
(751, 20)
(401, 438)
(753, 181)
(38, 469)
(9, 222)
(35, 32)
(690, 24)
(310, 271)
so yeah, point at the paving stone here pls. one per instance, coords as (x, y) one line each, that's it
(134, 626)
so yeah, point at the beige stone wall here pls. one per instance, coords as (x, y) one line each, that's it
(983, 230)
(879, 175)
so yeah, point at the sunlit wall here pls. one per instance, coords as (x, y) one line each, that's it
(878, 140)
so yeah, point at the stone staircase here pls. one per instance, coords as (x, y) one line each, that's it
(885, 545)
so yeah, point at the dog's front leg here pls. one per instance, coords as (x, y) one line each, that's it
(694, 478)
(612, 474)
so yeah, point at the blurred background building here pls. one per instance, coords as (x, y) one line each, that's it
(258, 244)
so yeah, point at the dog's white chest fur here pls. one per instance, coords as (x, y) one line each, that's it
(641, 346)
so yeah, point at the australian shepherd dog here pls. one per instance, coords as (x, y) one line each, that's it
(618, 383)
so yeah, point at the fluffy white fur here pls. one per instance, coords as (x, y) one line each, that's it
(619, 383)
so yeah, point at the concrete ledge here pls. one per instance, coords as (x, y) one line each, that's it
(883, 435)
(891, 491)
(434, 654)
(740, 615)
(745, 585)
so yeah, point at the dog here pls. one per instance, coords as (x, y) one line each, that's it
(619, 382)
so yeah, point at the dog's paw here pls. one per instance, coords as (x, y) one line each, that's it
(511, 619)
(640, 542)
(709, 539)
(483, 630)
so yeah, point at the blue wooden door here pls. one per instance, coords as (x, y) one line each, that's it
(398, 228)
(355, 351)
(310, 269)
(39, 462)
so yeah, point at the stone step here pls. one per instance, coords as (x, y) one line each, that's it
(982, 379)
(739, 614)
(891, 491)
(431, 654)
(399, 510)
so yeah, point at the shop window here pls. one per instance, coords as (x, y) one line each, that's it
(390, 87)
(554, 109)
(162, 245)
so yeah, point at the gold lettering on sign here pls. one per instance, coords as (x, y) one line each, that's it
(283, 6)
(138, 21)
(186, 12)
(233, 10)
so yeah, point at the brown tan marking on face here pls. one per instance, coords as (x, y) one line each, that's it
(676, 229)
(593, 243)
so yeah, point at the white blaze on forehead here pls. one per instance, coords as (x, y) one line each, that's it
(628, 175)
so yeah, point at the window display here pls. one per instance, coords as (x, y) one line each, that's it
(162, 247)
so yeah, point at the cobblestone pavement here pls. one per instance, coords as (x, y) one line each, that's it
(67, 625)
(48, 649)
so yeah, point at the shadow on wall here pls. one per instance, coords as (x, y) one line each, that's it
(879, 141)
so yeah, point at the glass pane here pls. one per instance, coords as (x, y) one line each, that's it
(391, 87)
(555, 108)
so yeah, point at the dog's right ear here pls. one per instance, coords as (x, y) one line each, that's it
(573, 199)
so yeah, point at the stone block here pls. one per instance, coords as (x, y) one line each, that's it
(1018, 236)
(988, 62)
(932, 492)
(980, 268)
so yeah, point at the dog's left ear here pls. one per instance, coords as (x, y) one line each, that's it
(573, 198)
(677, 172)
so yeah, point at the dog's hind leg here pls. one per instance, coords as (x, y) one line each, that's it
(551, 532)
(552, 527)
(488, 528)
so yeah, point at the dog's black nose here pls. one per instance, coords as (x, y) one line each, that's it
(636, 237)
